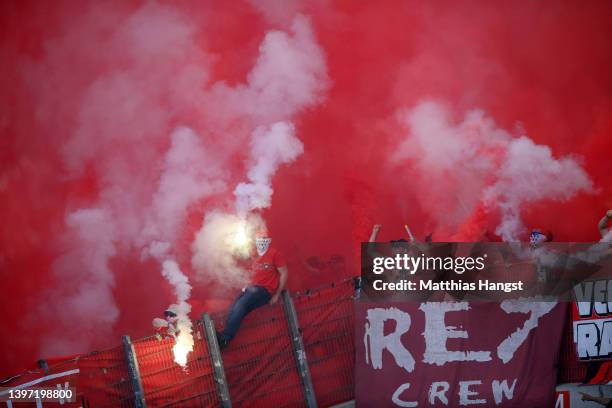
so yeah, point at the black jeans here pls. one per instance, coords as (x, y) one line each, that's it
(249, 300)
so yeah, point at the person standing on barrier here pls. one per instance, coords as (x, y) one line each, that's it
(269, 276)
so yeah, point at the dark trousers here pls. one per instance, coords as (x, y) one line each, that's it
(249, 300)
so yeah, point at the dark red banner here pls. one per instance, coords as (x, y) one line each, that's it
(453, 354)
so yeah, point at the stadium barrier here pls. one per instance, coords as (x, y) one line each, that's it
(296, 353)
(265, 365)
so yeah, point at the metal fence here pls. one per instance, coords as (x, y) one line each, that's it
(275, 360)
(104, 380)
(167, 384)
(327, 320)
(264, 365)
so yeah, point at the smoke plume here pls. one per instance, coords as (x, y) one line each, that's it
(288, 77)
(141, 143)
(473, 164)
(269, 148)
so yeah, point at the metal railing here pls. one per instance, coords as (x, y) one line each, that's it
(288, 354)
(297, 353)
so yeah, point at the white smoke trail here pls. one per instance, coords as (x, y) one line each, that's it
(153, 73)
(188, 175)
(270, 147)
(182, 289)
(289, 75)
(147, 57)
(474, 162)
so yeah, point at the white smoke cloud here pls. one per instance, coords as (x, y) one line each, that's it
(89, 244)
(289, 76)
(530, 173)
(270, 147)
(149, 59)
(221, 243)
(152, 73)
(472, 161)
(189, 173)
(290, 73)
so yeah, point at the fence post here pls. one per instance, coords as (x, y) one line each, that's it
(134, 372)
(299, 351)
(217, 363)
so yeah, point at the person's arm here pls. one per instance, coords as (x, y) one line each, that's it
(603, 223)
(284, 272)
(407, 228)
(374, 233)
(599, 400)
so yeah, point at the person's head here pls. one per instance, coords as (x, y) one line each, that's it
(170, 316)
(399, 246)
(538, 237)
(262, 241)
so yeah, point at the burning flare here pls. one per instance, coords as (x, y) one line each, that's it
(184, 341)
(241, 238)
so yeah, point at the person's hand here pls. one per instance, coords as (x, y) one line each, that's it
(407, 228)
(586, 397)
(274, 299)
(609, 214)
(374, 233)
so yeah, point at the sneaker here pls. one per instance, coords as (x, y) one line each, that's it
(222, 340)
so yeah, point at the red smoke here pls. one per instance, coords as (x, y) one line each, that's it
(87, 117)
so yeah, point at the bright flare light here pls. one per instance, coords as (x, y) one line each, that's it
(241, 238)
(184, 344)
(180, 354)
